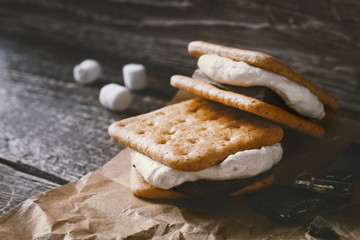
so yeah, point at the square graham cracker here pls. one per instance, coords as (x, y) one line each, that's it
(249, 104)
(194, 134)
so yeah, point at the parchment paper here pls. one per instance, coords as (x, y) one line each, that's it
(101, 206)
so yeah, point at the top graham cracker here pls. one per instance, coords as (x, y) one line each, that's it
(194, 134)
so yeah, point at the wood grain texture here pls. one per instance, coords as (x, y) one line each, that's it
(52, 129)
(16, 186)
(319, 40)
(51, 122)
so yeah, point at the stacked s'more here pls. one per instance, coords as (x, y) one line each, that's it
(227, 141)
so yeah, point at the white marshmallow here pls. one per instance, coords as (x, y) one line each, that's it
(243, 164)
(134, 76)
(228, 71)
(115, 97)
(87, 71)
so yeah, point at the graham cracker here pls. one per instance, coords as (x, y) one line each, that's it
(259, 59)
(248, 104)
(194, 134)
(264, 183)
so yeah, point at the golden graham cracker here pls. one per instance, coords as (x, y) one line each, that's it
(248, 104)
(194, 134)
(258, 59)
(261, 184)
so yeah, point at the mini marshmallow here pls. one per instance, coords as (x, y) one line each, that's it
(115, 97)
(87, 71)
(134, 76)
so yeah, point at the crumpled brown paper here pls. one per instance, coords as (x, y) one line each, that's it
(101, 206)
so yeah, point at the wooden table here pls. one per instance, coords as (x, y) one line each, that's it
(53, 130)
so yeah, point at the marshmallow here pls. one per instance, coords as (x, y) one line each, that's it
(87, 71)
(134, 76)
(115, 97)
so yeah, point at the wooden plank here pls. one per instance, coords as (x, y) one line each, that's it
(320, 39)
(52, 123)
(16, 186)
(56, 132)
(56, 61)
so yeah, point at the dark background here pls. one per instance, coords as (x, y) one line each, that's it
(53, 130)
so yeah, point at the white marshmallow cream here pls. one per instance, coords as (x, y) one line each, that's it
(243, 164)
(227, 71)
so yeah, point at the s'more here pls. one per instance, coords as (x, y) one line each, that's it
(227, 141)
(191, 148)
(231, 76)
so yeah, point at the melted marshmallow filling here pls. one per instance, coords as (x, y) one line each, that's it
(227, 71)
(243, 164)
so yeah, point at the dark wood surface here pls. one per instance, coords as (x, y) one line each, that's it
(51, 127)
(53, 130)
